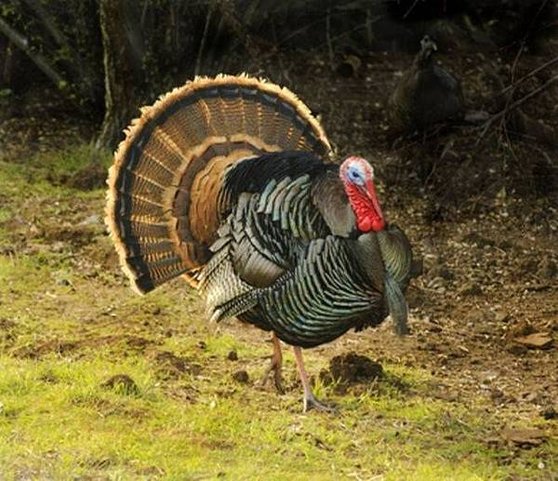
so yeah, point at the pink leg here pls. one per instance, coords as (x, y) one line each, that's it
(275, 366)
(310, 401)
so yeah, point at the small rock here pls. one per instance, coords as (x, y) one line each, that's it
(202, 345)
(232, 356)
(122, 383)
(537, 340)
(241, 377)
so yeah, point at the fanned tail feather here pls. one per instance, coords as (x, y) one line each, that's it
(163, 202)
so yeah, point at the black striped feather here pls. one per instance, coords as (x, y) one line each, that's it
(396, 254)
(320, 300)
(280, 264)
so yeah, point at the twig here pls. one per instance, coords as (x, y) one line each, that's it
(203, 40)
(23, 43)
(328, 39)
(411, 8)
(516, 104)
(529, 75)
(516, 59)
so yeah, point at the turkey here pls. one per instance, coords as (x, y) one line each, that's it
(228, 182)
(426, 94)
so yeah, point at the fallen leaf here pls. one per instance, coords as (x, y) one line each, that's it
(537, 340)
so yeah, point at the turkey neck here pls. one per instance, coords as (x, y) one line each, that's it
(423, 59)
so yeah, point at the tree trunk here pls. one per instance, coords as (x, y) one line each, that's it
(122, 65)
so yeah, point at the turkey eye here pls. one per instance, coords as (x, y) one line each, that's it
(354, 175)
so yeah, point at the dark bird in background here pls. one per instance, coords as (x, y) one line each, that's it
(228, 182)
(426, 94)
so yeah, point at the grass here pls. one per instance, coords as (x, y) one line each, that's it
(68, 323)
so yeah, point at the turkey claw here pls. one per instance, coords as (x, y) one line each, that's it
(312, 403)
(277, 377)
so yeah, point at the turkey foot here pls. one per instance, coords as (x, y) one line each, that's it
(309, 401)
(312, 403)
(275, 366)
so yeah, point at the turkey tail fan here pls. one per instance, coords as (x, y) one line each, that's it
(163, 206)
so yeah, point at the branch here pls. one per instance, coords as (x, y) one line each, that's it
(40, 61)
(408, 12)
(529, 75)
(199, 59)
(517, 104)
(46, 19)
(328, 39)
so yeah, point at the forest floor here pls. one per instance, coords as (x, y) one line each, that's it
(97, 383)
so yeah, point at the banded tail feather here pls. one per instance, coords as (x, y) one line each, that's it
(163, 203)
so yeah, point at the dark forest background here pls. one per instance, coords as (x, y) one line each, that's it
(97, 61)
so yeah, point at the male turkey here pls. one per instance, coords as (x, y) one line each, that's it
(228, 182)
(425, 95)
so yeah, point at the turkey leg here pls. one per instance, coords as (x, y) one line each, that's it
(276, 366)
(310, 401)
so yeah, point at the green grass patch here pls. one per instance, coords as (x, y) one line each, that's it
(69, 323)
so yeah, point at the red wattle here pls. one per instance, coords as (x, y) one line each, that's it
(365, 224)
(378, 224)
(367, 211)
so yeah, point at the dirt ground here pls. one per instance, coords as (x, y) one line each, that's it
(484, 311)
